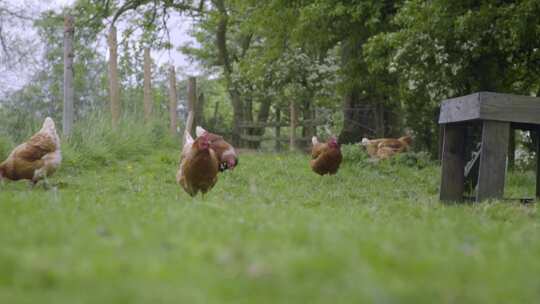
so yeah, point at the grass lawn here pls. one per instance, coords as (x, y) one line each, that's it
(270, 232)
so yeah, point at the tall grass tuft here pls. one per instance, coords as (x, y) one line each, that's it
(94, 142)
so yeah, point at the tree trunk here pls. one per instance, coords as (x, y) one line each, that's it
(147, 85)
(199, 118)
(309, 128)
(292, 134)
(215, 118)
(224, 60)
(192, 102)
(379, 121)
(238, 117)
(354, 127)
(262, 118)
(356, 124)
(69, 30)
(114, 89)
(173, 117)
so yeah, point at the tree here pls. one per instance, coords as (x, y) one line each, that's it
(16, 49)
(444, 48)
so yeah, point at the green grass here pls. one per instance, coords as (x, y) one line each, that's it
(270, 232)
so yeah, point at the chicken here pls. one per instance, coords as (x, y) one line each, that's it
(326, 157)
(35, 159)
(228, 159)
(384, 148)
(199, 165)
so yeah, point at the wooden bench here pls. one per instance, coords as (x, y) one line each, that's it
(498, 115)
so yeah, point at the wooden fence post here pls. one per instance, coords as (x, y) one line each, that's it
(114, 89)
(147, 85)
(292, 134)
(67, 117)
(173, 117)
(192, 103)
(199, 110)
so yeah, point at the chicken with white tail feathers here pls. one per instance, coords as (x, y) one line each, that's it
(35, 159)
(325, 157)
(198, 165)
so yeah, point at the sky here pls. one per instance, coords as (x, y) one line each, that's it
(178, 27)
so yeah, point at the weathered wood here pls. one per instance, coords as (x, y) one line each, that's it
(189, 124)
(258, 138)
(460, 109)
(258, 125)
(453, 163)
(274, 124)
(114, 88)
(67, 117)
(173, 101)
(507, 107)
(494, 150)
(491, 106)
(440, 144)
(192, 101)
(523, 126)
(147, 85)
(292, 131)
(199, 111)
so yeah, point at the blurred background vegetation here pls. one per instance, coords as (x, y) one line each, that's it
(363, 68)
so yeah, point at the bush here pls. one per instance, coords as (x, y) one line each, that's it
(354, 153)
(418, 160)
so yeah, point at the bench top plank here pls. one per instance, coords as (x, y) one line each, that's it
(491, 106)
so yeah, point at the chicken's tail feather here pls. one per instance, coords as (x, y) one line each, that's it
(48, 124)
(187, 138)
(365, 141)
(199, 131)
(314, 140)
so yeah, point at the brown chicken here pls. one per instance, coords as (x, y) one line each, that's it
(384, 148)
(326, 157)
(228, 159)
(199, 165)
(35, 159)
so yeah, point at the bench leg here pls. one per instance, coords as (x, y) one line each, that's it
(495, 135)
(453, 163)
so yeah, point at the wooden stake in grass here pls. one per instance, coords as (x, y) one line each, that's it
(292, 135)
(192, 103)
(67, 117)
(172, 100)
(147, 85)
(114, 89)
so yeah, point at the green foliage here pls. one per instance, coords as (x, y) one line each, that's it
(95, 143)
(6, 145)
(354, 153)
(441, 49)
(419, 160)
